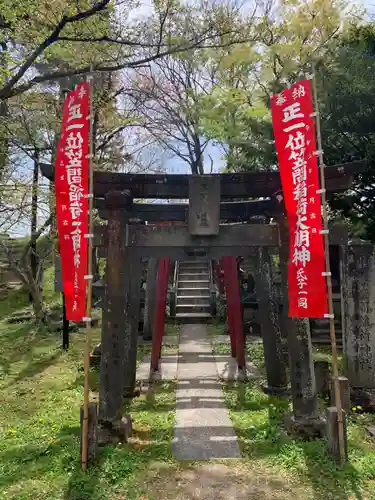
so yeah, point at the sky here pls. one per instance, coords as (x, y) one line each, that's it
(370, 5)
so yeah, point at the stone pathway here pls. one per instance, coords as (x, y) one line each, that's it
(203, 428)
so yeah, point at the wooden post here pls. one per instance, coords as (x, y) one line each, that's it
(92, 429)
(161, 302)
(86, 392)
(333, 439)
(332, 332)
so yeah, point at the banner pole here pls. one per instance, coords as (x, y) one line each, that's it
(89, 280)
(332, 332)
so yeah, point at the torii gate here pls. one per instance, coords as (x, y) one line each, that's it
(126, 244)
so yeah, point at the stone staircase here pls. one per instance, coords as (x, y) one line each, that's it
(193, 291)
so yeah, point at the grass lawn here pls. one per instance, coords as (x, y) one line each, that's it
(41, 390)
(258, 419)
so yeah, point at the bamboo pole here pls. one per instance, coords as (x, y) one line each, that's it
(89, 283)
(331, 316)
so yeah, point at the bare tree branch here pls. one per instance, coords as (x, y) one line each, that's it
(11, 89)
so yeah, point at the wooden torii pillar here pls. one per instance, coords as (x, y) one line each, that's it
(116, 336)
(232, 332)
(161, 302)
(234, 313)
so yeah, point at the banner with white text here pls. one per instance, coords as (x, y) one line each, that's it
(293, 125)
(71, 187)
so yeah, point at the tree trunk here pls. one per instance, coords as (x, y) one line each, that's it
(37, 300)
(34, 219)
(65, 332)
(198, 153)
(4, 142)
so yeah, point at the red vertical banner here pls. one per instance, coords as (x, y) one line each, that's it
(71, 187)
(293, 125)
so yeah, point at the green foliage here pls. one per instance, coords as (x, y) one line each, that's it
(236, 114)
(236, 110)
(221, 308)
(346, 97)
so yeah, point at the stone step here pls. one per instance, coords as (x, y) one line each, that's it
(193, 262)
(192, 308)
(193, 265)
(183, 272)
(193, 276)
(325, 341)
(194, 302)
(193, 284)
(190, 272)
(188, 299)
(325, 331)
(193, 292)
(193, 270)
(196, 316)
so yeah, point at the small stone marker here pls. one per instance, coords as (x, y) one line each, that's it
(204, 205)
(322, 376)
(344, 392)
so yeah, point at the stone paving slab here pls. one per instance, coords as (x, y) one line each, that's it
(227, 368)
(168, 368)
(203, 428)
